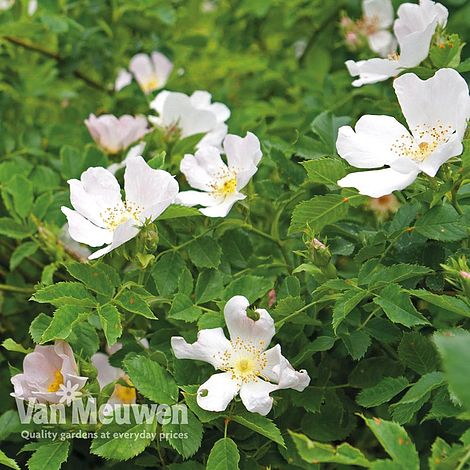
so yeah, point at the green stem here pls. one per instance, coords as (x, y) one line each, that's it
(463, 461)
(281, 322)
(19, 290)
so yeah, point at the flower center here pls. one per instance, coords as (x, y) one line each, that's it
(125, 394)
(245, 360)
(425, 140)
(56, 382)
(115, 216)
(150, 85)
(225, 183)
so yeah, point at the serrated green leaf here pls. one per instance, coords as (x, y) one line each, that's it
(183, 309)
(21, 190)
(325, 170)
(261, 425)
(151, 379)
(62, 323)
(12, 229)
(205, 252)
(209, 286)
(22, 252)
(454, 349)
(7, 461)
(93, 277)
(11, 345)
(442, 223)
(322, 343)
(167, 271)
(395, 441)
(318, 452)
(223, 456)
(49, 455)
(65, 294)
(38, 326)
(110, 321)
(186, 446)
(452, 304)
(133, 302)
(381, 393)
(175, 211)
(345, 304)
(418, 353)
(398, 307)
(318, 212)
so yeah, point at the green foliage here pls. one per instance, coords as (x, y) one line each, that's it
(373, 303)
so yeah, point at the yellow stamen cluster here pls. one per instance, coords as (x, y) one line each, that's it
(126, 395)
(225, 183)
(56, 382)
(119, 214)
(245, 360)
(150, 85)
(427, 139)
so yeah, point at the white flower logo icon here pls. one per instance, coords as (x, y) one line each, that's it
(68, 393)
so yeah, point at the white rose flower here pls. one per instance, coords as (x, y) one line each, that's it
(378, 18)
(46, 371)
(115, 134)
(101, 217)
(150, 71)
(436, 111)
(190, 115)
(221, 183)
(249, 368)
(413, 29)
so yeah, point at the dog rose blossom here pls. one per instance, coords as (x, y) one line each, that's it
(115, 134)
(46, 371)
(185, 115)
(436, 111)
(248, 367)
(101, 217)
(107, 374)
(220, 183)
(413, 29)
(378, 18)
(150, 71)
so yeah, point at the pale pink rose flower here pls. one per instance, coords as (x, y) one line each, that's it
(114, 134)
(151, 71)
(45, 371)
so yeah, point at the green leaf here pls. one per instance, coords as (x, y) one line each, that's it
(192, 430)
(38, 326)
(62, 323)
(398, 307)
(374, 274)
(110, 321)
(133, 302)
(326, 126)
(183, 309)
(395, 441)
(318, 452)
(322, 343)
(65, 294)
(93, 277)
(7, 461)
(21, 191)
(12, 229)
(442, 223)
(209, 286)
(11, 345)
(151, 379)
(261, 425)
(21, 252)
(167, 271)
(119, 447)
(453, 346)
(50, 456)
(357, 343)
(204, 252)
(446, 302)
(413, 398)
(253, 287)
(318, 212)
(381, 393)
(325, 170)
(345, 304)
(175, 211)
(223, 456)
(418, 353)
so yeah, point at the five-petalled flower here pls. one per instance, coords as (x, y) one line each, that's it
(220, 183)
(436, 110)
(115, 134)
(45, 371)
(378, 17)
(150, 71)
(413, 29)
(248, 367)
(182, 116)
(101, 217)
